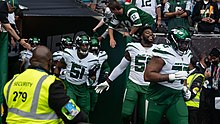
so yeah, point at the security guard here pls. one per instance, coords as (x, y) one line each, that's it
(194, 83)
(37, 97)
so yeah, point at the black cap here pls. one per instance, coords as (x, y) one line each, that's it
(215, 52)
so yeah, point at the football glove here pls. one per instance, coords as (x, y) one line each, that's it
(99, 88)
(180, 75)
(187, 93)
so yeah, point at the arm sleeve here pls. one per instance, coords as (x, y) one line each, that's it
(166, 7)
(119, 69)
(188, 8)
(58, 98)
(196, 13)
(134, 17)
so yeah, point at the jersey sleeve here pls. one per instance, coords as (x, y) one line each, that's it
(131, 48)
(66, 54)
(163, 51)
(132, 13)
(166, 7)
(113, 23)
(57, 56)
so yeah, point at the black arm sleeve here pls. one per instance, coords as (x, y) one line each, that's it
(197, 83)
(58, 98)
(196, 17)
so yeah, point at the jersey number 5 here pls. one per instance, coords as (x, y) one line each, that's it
(140, 62)
(77, 71)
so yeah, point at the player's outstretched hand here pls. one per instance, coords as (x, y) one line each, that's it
(99, 88)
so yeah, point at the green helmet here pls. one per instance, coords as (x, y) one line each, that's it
(34, 41)
(83, 40)
(95, 45)
(66, 42)
(180, 39)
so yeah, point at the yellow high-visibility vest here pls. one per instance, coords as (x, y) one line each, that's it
(27, 98)
(195, 101)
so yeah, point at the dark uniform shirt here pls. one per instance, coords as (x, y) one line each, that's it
(3, 12)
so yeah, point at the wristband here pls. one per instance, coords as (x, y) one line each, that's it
(172, 77)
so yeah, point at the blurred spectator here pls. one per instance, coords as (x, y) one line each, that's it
(209, 114)
(152, 7)
(13, 48)
(177, 12)
(205, 15)
(108, 16)
(132, 17)
(5, 8)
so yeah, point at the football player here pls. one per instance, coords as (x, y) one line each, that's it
(137, 55)
(167, 72)
(25, 55)
(79, 64)
(101, 74)
(66, 43)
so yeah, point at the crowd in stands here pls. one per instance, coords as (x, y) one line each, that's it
(201, 16)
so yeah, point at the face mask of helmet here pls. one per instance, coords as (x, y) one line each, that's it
(83, 41)
(66, 42)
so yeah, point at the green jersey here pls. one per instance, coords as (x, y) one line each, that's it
(132, 16)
